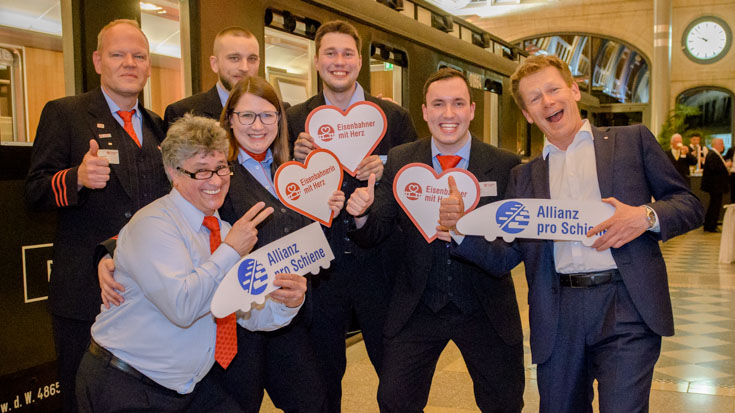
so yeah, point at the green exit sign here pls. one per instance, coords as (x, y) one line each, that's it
(388, 66)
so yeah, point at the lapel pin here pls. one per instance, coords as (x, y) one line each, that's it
(101, 125)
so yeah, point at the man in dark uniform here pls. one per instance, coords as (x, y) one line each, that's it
(235, 55)
(680, 157)
(96, 161)
(716, 182)
(357, 280)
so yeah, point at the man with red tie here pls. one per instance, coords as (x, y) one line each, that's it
(96, 161)
(437, 298)
(154, 351)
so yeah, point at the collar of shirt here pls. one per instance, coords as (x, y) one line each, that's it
(584, 133)
(223, 93)
(194, 217)
(137, 117)
(358, 96)
(243, 158)
(463, 152)
(261, 171)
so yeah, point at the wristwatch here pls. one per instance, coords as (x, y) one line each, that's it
(650, 216)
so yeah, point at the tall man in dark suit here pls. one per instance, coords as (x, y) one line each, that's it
(716, 182)
(680, 157)
(358, 279)
(96, 161)
(436, 297)
(596, 313)
(235, 55)
(730, 156)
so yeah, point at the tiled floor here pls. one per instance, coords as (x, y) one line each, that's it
(696, 370)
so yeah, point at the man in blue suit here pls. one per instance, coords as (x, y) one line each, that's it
(596, 313)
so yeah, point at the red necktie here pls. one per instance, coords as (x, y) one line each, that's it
(448, 161)
(127, 117)
(226, 345)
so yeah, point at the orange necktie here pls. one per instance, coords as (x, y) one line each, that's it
(448, 161)
(226, 345)
(127, 117)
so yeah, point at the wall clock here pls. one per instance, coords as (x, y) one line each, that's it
(706, 39)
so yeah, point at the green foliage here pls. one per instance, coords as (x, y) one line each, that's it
(675, 123)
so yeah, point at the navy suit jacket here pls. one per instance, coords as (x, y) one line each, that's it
(495, 294)
(632, 167)
(207, 104)
(88, 216)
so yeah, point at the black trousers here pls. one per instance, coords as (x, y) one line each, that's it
(411, 356)
(283, 363)
(600, 336)
(103, 388)
(713, 211)
(71, 338)
(355, 284)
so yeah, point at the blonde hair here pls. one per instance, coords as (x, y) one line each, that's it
(534, 64)
(114, 23)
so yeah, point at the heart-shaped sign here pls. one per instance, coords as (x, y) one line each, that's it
(419, 191)
(306, 188)
(352, 135)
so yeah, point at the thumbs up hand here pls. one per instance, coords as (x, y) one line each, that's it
(94, 172)
(451, 208)
(362, 198)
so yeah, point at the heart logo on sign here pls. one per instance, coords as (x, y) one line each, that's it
(306, 187)
(419, 190)
(352, 135)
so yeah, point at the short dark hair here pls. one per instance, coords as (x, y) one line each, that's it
(446, 73)
(337, 26)
(236, 31)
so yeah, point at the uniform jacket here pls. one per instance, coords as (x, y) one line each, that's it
(207, 104)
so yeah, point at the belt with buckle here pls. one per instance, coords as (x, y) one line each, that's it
(588, 279)
(113, 361)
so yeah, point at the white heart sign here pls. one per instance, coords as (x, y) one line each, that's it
(553, 219)
(352, 135)
(306, 188)
(419, 191)
(251, 279)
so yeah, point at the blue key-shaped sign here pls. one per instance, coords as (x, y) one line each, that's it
(252, 276)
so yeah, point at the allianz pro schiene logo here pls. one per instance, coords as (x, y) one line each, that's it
(512, 217)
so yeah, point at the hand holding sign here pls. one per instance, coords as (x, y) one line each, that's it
(352, 135)
(626, 224)
(258, 274)
(94, 171)
(370, 165)
(362, 198)
(553, 219)
(312, 189)
(303, 146)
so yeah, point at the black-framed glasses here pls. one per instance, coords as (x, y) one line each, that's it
(203, 174)
(268, 117)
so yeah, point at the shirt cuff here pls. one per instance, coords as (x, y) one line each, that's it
(456, 237)
(224, 257)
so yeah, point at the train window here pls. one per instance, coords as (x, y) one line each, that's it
(386, 71)
(12, 119)
(423, 15)
(160, 23)
(409, 9)
(289, 65)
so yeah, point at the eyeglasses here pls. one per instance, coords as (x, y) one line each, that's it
(203, 174)
(248, 118)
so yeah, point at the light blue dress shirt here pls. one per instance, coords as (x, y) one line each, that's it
(261, 171)
(223, 93)
(137, 118)
(164, 327)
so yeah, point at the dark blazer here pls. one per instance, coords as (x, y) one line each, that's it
(632, 168)
(89, 216)
(715, 176)
(400, 130)
(682, 165)
(205, 104)
(495, 294)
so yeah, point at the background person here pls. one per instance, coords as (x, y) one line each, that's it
(716, 182)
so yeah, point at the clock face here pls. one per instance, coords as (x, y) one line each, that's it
(706, 40)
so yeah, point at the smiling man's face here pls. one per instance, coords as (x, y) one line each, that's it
(552, 105)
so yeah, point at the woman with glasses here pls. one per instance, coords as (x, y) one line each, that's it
(282, 361)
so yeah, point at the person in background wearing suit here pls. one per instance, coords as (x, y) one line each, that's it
(283, 361)
(680, 158)
(436, 297)
(730, 156)
(596, 313)
(359, 279)
(716, 182)
(96, 161)
(698, 151)
(235, 55)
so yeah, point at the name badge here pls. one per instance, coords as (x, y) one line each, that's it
(105, 135)
(488, 188)
(112, 155)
